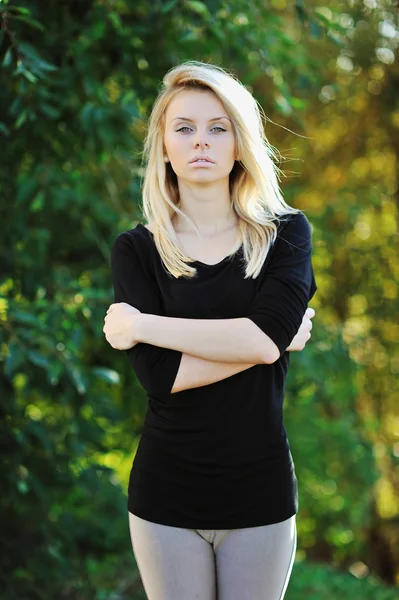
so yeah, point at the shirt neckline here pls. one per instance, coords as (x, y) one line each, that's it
(196, 262)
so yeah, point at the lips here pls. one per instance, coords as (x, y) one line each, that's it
(202, 158)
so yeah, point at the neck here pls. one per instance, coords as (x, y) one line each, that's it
(209, 227)
(208, 207)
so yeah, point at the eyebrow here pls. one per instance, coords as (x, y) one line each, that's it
(187, 119)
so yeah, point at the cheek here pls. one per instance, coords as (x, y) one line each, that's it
(228, 143)
(176, 146)
(227, 150)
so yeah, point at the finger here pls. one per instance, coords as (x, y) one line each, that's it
(310, 313)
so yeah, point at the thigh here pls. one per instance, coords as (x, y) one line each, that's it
(174, 563)
(255, 563)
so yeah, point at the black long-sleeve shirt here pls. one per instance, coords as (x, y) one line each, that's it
(216, 456)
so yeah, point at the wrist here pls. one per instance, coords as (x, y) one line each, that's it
(140, 327)
(137, 328)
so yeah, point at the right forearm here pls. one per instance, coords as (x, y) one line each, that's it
(196, 372)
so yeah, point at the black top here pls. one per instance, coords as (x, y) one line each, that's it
(216, 456)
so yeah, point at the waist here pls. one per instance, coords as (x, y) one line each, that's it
(210, 457)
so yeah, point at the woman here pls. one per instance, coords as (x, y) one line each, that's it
(210, 297)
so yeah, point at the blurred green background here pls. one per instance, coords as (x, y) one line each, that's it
(78, 79)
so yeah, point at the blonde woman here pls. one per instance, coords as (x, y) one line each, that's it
(211, 295)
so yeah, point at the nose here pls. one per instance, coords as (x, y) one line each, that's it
(200, 141)
(201, 144)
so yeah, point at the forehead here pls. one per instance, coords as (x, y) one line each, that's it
(193, 104)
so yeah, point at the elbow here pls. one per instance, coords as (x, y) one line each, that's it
(272, 353)
(269, 352)
(177, 385)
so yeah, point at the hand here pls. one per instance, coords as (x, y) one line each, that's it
(121, 326)
(303, 335)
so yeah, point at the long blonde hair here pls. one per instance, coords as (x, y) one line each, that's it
(254, 180)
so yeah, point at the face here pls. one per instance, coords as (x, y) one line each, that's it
(196, 123)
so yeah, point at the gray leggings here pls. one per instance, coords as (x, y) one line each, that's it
(253, 563)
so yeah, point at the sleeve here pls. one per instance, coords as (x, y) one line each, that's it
(287, 284)
(156, 368)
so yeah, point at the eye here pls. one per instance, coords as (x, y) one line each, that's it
(185, 127)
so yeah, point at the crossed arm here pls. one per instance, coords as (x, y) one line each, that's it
(177, 354)
(212, 350)
(222, 347)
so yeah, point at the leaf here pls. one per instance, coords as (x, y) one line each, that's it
(49, 110)
(335, 39)
(26, 190)
(108, 374)
(29, 76)
(189, 35)
(43, 65)
(115, 20)
(78, 378)
(283, 105)
(7, 58)
(32, 22)
(15, 358)
(16, 105)
(86, 115)
(315, 30)
(37, 202)
(20, 9)
(53, 373)
(38, 359)
(21, 119)
(167, 6)
(23, 487)
(198, 7)
(24, 317)
(4, 129)
(35, 60)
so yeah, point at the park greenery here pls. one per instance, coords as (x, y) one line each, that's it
(77, 81)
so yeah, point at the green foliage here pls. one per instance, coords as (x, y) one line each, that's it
(323, 428)
(318, 582)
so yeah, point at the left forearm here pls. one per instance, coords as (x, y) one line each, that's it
(228, 340)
